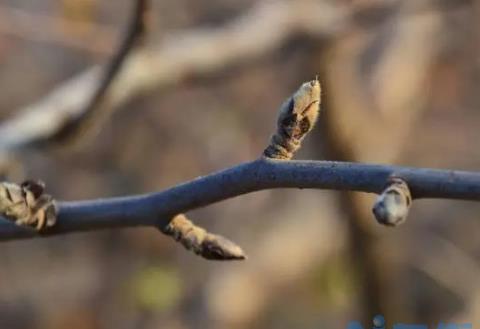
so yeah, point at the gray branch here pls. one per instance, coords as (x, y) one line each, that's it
(157, 209)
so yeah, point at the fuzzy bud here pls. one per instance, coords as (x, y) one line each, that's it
(392, 206)
(297, 117)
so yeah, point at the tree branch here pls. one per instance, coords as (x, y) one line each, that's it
(27, 205)
(198, 51)
(95, 112)
(157, 209)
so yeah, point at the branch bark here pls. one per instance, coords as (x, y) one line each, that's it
(157, 209)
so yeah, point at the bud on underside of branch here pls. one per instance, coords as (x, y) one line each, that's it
(392, 206)
(201, 242)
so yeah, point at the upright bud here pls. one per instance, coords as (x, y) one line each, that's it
(296, 118)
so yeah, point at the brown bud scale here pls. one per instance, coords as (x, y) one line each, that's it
(209, 246)
(297, 117)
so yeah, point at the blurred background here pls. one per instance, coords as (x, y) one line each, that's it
(400, 80)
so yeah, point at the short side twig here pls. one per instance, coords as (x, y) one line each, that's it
(209, 246)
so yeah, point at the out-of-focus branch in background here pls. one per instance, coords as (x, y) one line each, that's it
(79, 129)
(180, 54)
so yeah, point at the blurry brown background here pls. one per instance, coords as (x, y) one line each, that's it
(400, 86)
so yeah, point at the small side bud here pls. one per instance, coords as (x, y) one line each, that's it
(296, 118)
(209, 246)
(392, 206)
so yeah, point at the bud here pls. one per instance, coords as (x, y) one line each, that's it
(297, 117)
(392, 206)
